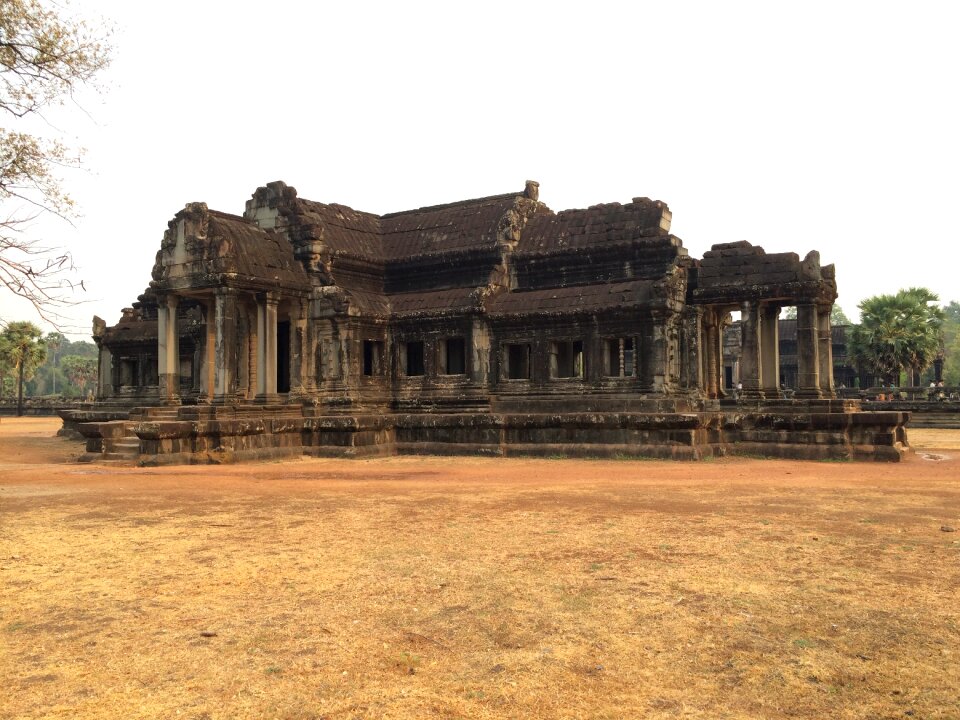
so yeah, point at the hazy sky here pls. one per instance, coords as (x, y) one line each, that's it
(796, 126)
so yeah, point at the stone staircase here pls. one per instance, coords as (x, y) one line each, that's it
(112, 441)
(154, 414)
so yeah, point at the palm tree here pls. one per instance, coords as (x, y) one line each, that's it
(5, 363)
(901, 332)
(24, 350)
(80, 371)
(54, 342)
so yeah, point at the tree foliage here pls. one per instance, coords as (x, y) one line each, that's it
(837, 315)
(23, 352)
(44, 59)
(897, 333)
(81, 372)
(50, 378)
(951, 343)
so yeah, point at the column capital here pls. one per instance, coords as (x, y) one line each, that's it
(268, 297)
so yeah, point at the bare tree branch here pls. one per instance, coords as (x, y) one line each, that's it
(44, 59)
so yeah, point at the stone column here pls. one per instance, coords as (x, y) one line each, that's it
(658, 353)
(691, 371)
(168, 351)
(825, 337)
(808, 354)
(104, 373)
(208, 358)
(267, 347)
(710, 374)
(770, 350)
(751, 369)
(301, 373)
(225, 342)
(162, 319)
(479, 351)
(723, 322)
(261, 347)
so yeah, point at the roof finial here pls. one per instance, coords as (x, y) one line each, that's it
(532, 190)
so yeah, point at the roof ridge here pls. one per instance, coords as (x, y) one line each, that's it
(338, 206)
(229, 216)
(443, 206)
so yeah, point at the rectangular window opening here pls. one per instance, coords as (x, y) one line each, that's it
(619, 357)
(413, 358)
(518, 361)
(454, 356)
(566, 359)
(372, 357)
(129, 371)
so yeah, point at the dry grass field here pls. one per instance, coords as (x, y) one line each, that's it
(478, 588)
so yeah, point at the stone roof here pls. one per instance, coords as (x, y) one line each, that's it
(454, 227)
(459, 226)
(205, 248)
(435, 302)
(594, 226)
(577, 299)
(132, 332)
(255, 255)
(740, 271)
(342, 229)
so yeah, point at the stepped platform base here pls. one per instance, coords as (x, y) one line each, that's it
(809, 430)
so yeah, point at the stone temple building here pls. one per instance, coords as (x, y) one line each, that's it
(493, 325)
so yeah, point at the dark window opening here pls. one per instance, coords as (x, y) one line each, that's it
(566, 359)
(518, 362)
(414, 359)
(454, 356)
(372, 357)
(147, 373)
(129, 372)
(186, 372)
(618, 357)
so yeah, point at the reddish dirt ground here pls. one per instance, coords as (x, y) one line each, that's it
(478, 588)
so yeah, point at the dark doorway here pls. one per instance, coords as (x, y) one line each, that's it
(283, 357)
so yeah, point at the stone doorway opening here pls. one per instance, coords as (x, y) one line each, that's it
(283, 356)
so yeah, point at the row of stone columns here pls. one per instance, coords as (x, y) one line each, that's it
(221, 362)
(760, 353)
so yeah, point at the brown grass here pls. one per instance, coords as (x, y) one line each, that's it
(478, 588)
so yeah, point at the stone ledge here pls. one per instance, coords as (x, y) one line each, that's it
(809, 431)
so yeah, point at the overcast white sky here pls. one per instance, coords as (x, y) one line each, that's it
(796, 126)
